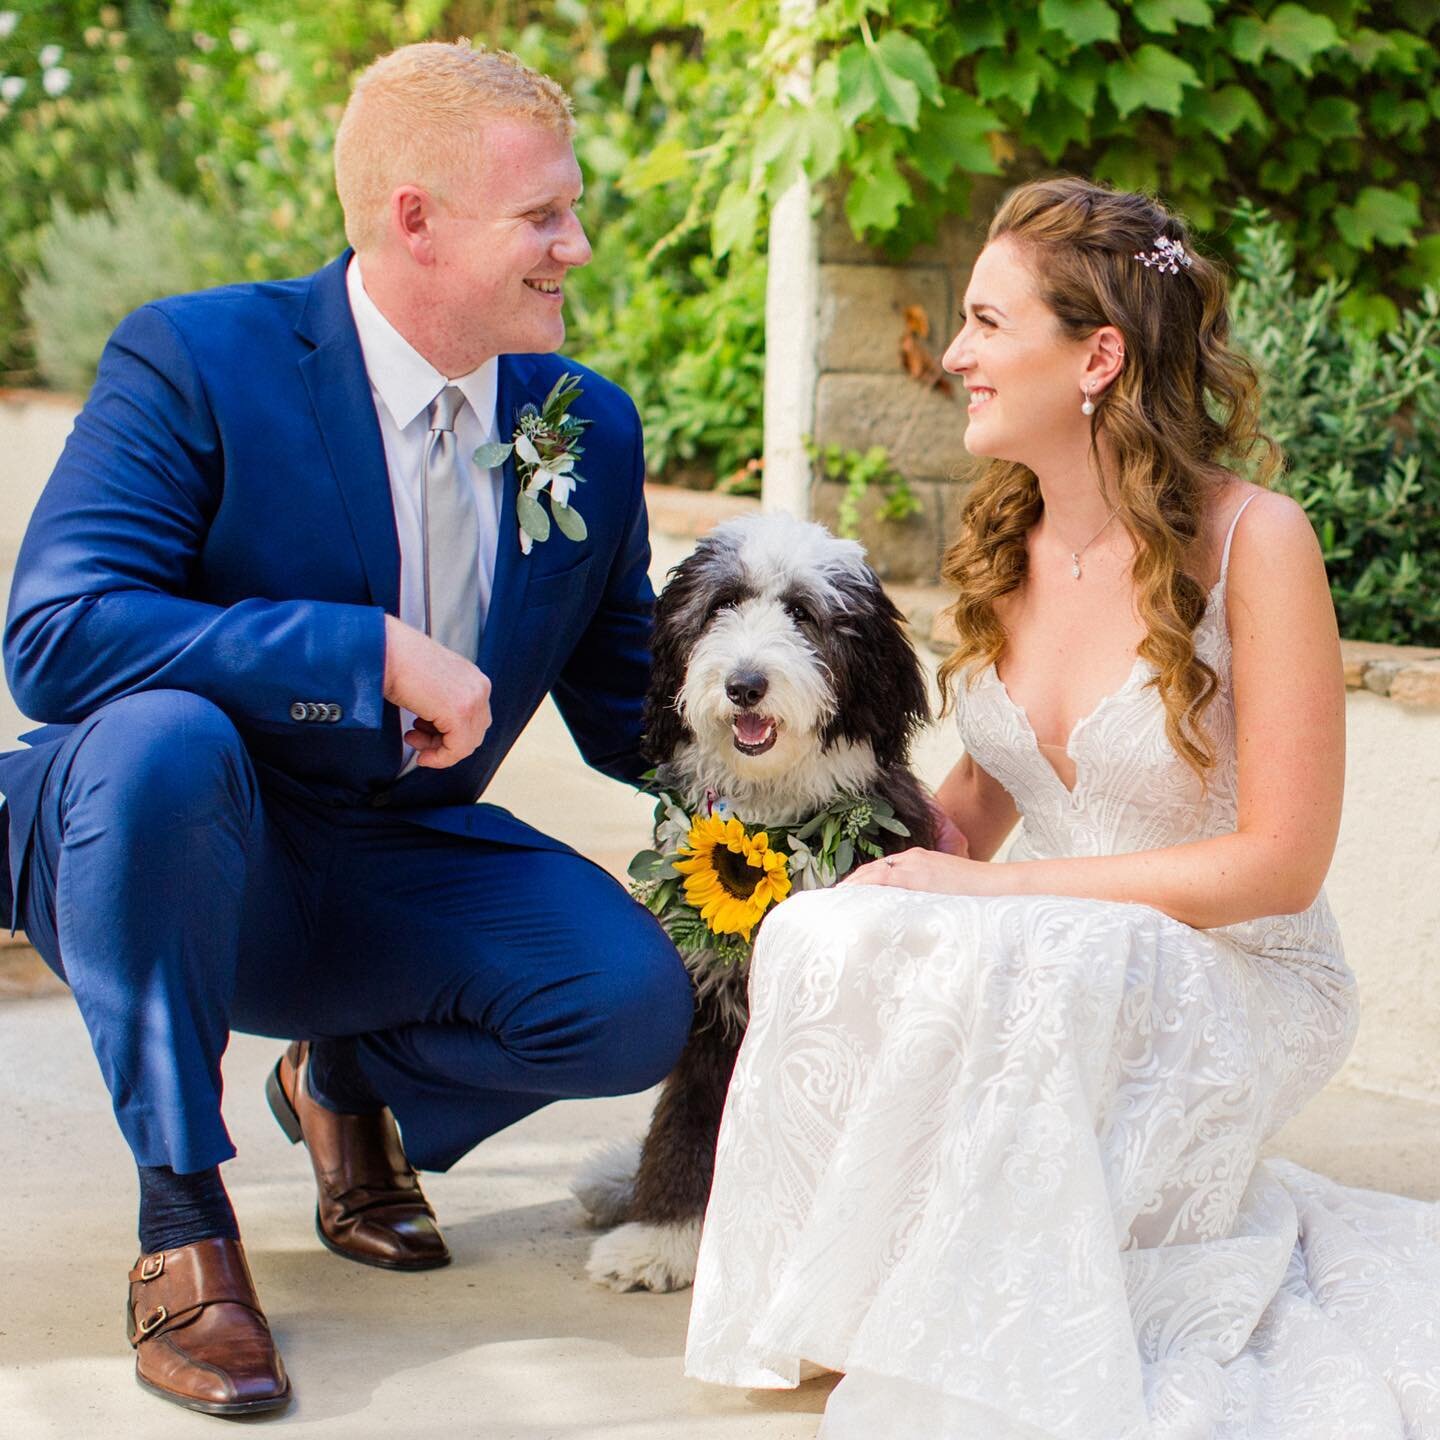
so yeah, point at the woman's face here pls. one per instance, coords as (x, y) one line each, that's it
(1025, 378)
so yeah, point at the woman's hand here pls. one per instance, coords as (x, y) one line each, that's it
(933, 872)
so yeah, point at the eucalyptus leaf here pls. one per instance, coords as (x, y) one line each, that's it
(492, 456)
(572, 526)
(844, 857)
(532, 517)
(645, 865)
(894, 826)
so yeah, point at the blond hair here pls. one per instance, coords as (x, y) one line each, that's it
(1184, 406)
(415, 116)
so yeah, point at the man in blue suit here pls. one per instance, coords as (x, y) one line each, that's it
(275, 606)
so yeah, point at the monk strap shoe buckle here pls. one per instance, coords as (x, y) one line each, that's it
(157, 1317)
(153, 1267)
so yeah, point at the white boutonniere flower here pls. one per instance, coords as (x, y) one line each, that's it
(546, 446)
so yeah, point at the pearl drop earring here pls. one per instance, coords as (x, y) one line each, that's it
(1088, 408)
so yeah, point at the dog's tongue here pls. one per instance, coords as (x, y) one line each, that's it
(751, 728)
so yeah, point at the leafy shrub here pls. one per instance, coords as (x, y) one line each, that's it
(94, 269)
(694, 361)
(681, 329)
(84, 89)
(233, 103)
(1359, 418)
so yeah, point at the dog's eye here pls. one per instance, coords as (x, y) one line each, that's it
(798, 613)
(724, 603)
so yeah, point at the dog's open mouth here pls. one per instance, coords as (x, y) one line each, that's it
(754, 733)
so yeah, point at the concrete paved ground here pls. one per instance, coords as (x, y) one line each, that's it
(511, 1342)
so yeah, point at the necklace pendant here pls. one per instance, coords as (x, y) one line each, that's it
(1075, 565)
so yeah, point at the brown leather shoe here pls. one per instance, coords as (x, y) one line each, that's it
(370, 1206)
(200, 1337)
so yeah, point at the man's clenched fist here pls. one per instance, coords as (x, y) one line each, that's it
(449, 696)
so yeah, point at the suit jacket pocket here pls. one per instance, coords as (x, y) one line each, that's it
(557, 585)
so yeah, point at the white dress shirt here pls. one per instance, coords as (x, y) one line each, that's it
(403, 384)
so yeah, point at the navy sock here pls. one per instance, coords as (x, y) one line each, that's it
(337, 1081)
(178, 1210)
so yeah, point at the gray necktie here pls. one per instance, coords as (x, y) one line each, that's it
(451, 523)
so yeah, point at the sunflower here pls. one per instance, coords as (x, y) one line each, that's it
(731, 877)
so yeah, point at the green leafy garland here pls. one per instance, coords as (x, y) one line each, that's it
(820, 850)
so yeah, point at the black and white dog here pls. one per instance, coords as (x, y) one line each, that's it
(783, 678)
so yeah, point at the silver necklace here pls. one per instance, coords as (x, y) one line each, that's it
(1076, 554)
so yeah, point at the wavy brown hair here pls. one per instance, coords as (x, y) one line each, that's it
(1183, 408)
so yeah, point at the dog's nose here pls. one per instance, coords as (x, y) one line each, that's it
(746, 688)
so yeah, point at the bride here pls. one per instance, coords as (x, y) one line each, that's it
(992, 1144)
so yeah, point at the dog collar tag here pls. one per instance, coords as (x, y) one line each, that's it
(718, 806)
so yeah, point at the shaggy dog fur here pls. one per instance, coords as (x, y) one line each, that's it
(782, 678)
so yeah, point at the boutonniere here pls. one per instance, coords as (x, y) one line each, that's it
(546, 446)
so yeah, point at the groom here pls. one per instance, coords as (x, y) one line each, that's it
(279, 615)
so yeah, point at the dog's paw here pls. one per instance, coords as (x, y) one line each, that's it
(605, 1184)
(646, 1257)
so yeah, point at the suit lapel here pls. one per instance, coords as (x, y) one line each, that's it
(334, 375)
(512, 568)
(339, 389)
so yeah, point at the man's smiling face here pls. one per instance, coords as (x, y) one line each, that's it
(505, 238)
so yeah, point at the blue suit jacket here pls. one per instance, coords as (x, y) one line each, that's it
(220, 522)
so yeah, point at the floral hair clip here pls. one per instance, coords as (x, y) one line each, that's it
(1168, 255)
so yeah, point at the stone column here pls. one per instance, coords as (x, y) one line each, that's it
(790, 300)
(790, 304)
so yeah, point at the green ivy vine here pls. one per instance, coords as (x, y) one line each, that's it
(1326, 113)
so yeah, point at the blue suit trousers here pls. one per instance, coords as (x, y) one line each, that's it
(182, 895)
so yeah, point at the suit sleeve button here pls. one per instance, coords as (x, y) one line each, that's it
(297, 710)
(333, 713)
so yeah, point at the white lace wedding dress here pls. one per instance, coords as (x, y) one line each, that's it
(997, 1159)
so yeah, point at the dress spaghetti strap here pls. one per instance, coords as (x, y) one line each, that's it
(1230, 536)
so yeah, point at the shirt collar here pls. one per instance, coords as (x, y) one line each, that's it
(402, 377)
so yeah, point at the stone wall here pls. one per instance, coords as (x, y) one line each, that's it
(864, 395)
